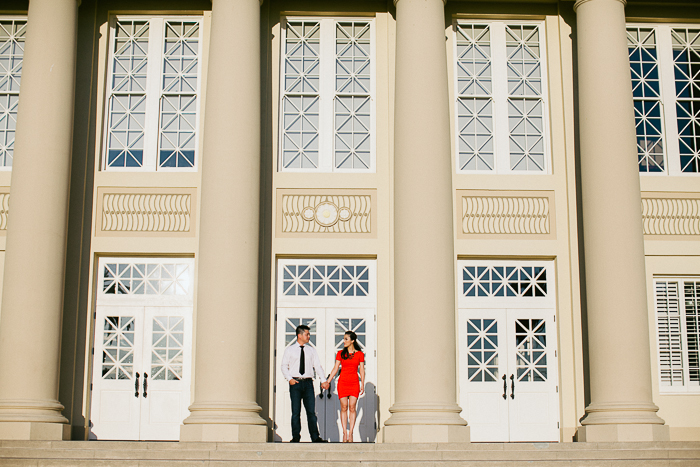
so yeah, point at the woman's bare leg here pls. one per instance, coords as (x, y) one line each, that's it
(353, 416)
(344, 417)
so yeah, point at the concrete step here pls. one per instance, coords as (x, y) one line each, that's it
(117, 453)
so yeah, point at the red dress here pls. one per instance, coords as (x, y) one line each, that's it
(349, 381)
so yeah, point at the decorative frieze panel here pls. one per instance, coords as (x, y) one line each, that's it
(4, 207)
(506, 213)
(325, 212)
(142, 211)
(671, 214)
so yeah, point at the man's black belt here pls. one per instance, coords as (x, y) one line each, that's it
(302, 379)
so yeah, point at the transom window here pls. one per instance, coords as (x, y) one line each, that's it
(665, 70)
(678, 331)
(501, 106)
(152, 106)
(327, 107)
(12, 36)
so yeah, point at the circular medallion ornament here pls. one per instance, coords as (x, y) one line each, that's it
(326, 214)
(307, 213)
(345, 214)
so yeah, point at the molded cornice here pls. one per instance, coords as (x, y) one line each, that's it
(581, 2)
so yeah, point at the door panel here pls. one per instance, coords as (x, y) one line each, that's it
(483, 370)
(118, 334)
(534, 413)
(287, 321)
(166, 371)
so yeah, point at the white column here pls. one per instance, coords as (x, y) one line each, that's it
(225, 407)
(425, 408)
(32, 301)
(621, 407)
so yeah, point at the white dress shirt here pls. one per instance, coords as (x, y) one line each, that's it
(290, 362)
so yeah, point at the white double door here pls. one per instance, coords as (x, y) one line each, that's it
(508, 374)
(328, 326)
(142, 349)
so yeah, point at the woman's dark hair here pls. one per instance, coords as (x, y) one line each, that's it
(353, 337)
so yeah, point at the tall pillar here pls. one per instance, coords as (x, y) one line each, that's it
(32, 300)
(425, 407)
(225, 407)
(621, 407)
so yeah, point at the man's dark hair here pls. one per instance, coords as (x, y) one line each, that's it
(301, 328)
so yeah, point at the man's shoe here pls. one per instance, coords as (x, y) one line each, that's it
(319, 440)
(295, 440)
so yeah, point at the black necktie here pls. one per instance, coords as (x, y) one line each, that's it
(302, 362)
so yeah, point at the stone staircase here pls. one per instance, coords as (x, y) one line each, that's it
(117, 453)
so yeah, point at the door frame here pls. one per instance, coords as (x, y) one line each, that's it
(471, 304)
(324, 303)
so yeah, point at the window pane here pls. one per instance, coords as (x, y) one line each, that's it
(474, 60)
(646, 87)
(475, 126)
(686, 58)
(12, 37)
(178, 105)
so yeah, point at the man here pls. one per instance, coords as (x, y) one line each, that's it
(298, 363)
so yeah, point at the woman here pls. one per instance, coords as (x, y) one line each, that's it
(349, 386)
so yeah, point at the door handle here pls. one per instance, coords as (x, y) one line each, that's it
(136, 385)
(505, 387)
(145, 385)
(512, 387)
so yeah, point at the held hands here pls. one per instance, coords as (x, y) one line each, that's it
(325, 385)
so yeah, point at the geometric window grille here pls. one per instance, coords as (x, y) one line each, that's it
(152, 118)
(501, 108)
(178, 118)
(353, 98)
(127, 104)
(118, 348)
(12, 37)
(530, 353)
(482, 350)
(300, 107)
(475, 102)
(331, 281)
(290, 335)
(678, 327)
(356, 325)
(665, 78)
(646, 90)
(686, 59)
(144, 278)
(326, 99)
(167, 350)
(525, 104)
(504, 281)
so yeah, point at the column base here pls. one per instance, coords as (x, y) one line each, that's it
(224, 433)
(34, 431)
(425, 423)
(622, 433)
(426, 434)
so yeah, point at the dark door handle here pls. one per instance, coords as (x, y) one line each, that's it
(145, 385)
(136, 385)
(505, 387)
(512, 387)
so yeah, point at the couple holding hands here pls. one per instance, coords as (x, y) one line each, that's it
(298, 364)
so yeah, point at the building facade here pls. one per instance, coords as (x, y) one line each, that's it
(502, 199)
